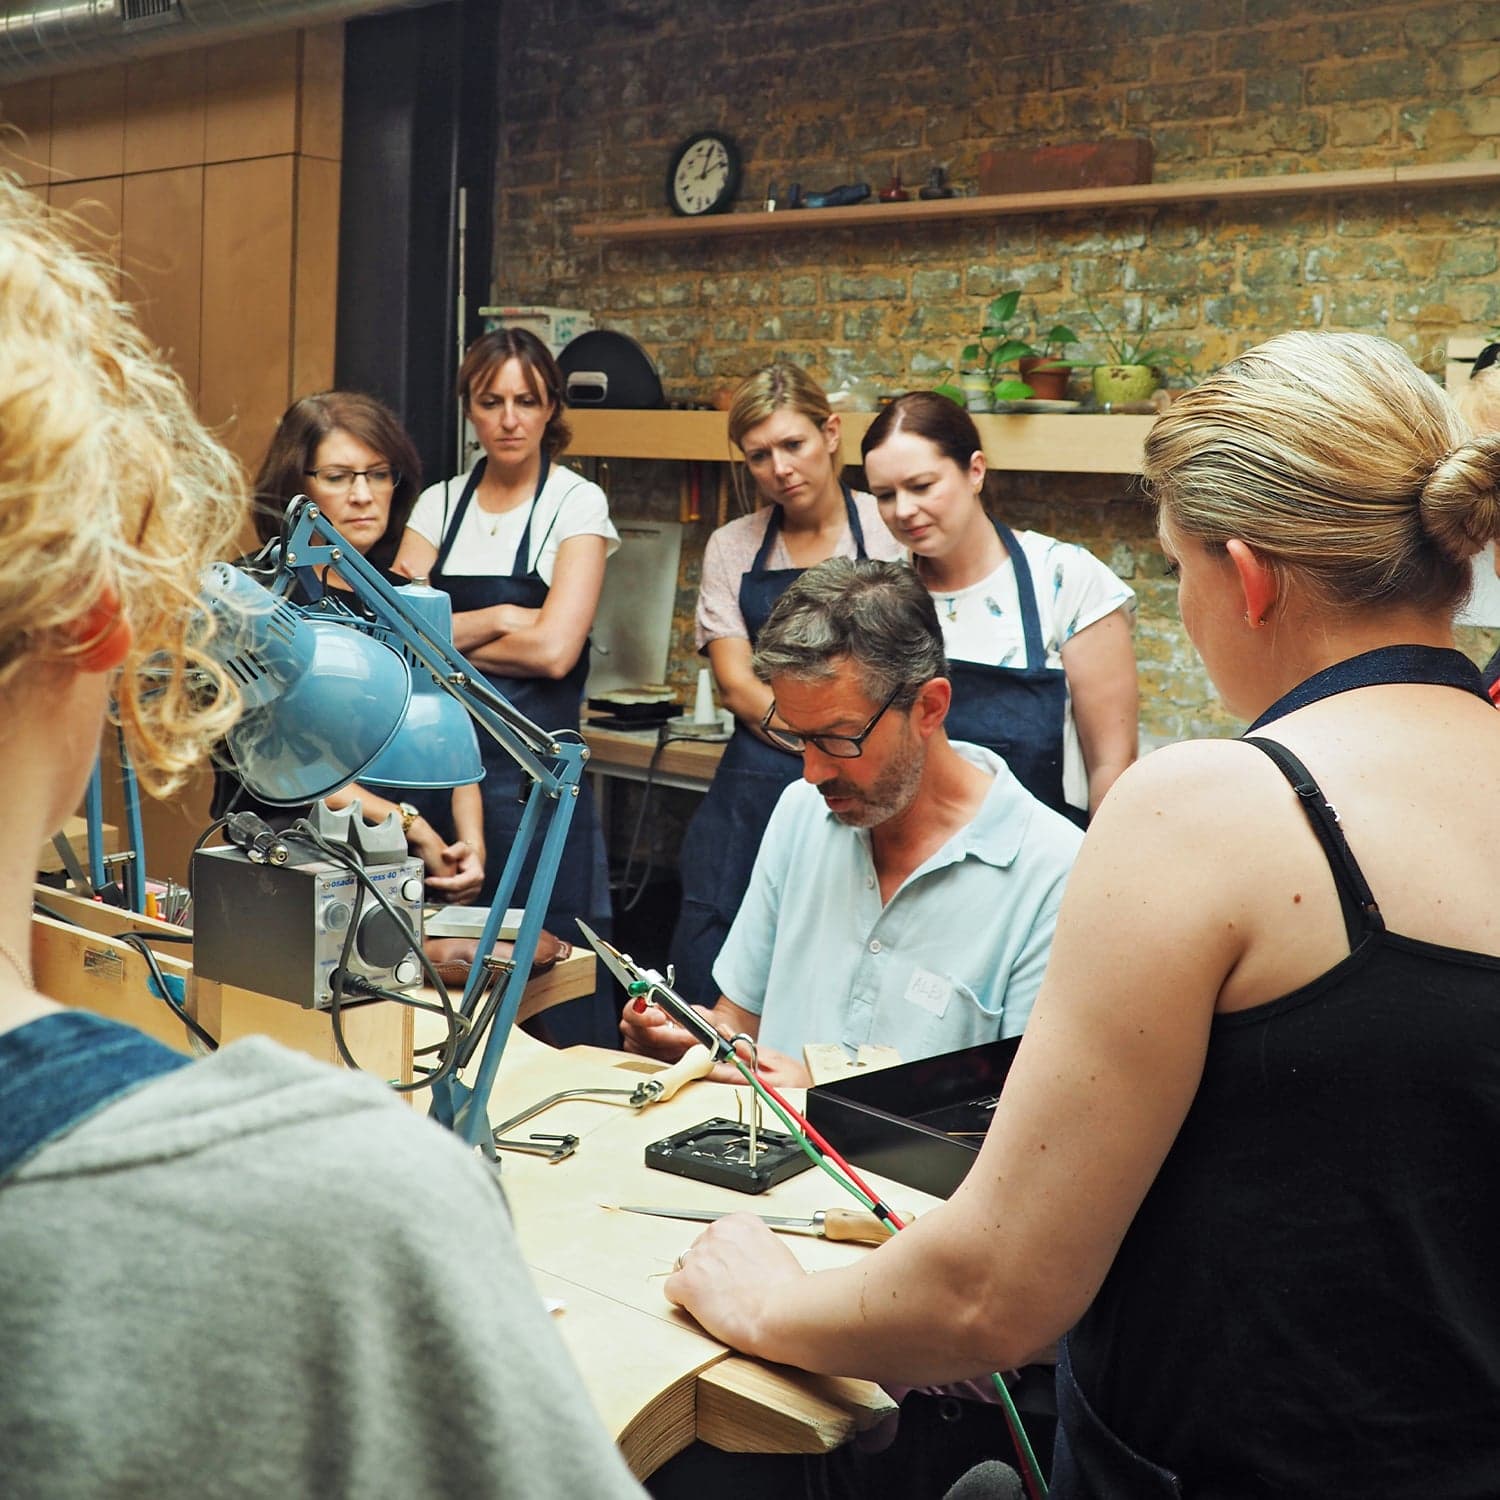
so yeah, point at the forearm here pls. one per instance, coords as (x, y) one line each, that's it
(468, 817)
(532, 652)
(1104, 773)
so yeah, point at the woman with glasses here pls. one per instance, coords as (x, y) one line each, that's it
(790, 437)
(519, 543)
(1037, 630)
(350, 454)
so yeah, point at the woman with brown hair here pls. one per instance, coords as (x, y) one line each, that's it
(1245, 1152)
(1037, 630)
(790, 439)
(519, 543)
(350, 454)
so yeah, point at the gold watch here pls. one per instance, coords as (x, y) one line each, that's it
(409, 815)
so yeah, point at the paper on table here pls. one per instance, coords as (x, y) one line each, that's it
(468, 921)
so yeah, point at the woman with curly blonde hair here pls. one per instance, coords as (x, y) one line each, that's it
(167, 1225)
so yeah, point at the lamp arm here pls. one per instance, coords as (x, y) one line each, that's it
(524, 741)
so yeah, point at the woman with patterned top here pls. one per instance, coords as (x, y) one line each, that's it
(1037, 630)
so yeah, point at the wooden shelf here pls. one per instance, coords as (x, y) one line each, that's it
(1145, 195)
(1057, 443)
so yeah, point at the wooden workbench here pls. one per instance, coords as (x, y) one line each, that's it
(628, 754)
(656, 1379)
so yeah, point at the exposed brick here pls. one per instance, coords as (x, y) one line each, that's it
(1178, 59)
(1362, 261)
(1277, 88)
(1276, 132)
(1347, 82)
(1204, 98)
(844, 288)
(927, 285)
(1361, 125)
(1470, 68)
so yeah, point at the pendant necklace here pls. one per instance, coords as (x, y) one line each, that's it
(22, 968)
(950, 604)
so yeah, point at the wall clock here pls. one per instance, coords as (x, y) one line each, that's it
(704, 175)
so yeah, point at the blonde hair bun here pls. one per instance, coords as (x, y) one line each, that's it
(1460, 502)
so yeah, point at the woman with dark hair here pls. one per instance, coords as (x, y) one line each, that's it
(1037, 630)
(349, 453)
(519, 543)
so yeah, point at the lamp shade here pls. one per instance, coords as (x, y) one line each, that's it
(322, 700)
(436, 745)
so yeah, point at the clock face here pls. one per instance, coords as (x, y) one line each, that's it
(705, 174)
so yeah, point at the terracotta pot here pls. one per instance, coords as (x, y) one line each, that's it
(1123, 385)
(1046, 385)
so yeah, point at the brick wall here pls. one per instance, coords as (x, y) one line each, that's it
(600, 94)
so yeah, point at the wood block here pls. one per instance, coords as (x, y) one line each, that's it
(746, 1407)
(76, 831)
(1079, 164)
(829, 1060)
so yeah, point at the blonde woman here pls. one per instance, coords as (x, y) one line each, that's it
(167, 1226)
(1246, 1150)
(790, 437)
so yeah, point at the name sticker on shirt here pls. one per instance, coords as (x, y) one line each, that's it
(930, 991)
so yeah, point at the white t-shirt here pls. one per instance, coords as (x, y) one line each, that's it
(568, 506)
(1073, 590)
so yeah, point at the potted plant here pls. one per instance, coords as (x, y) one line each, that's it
(1047, 372)
(1135, 368)
(992, 356)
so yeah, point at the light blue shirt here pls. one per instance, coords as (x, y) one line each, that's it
(954, 958)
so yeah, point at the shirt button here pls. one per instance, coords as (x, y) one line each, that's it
(874, 945)
(869, 882)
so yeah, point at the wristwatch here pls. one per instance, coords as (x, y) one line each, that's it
(409, 815)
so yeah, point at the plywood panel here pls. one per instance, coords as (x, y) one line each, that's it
(251, 93)
(321, 92)
(95, 207)
(88, 123)
(164, 112)
(26, 144)
(247, 300)
(316, 274)
(162, 256)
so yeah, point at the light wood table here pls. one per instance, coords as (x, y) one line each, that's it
(656, 1379)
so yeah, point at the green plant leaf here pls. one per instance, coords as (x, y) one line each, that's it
(1011, 390)
(969, 354)
(1060, 333)
(952, 392)
(1003, 308)
(1010, 351)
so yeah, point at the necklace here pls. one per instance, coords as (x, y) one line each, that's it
(10, 955)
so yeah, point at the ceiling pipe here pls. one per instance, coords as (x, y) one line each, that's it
(40, 37)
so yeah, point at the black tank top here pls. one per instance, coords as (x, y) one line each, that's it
(1308, 1301)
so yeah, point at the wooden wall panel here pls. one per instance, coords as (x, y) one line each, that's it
(316, 274)
(251, 88)
(96, 209)
(320, 93)
(164, 112)
(26, 143)
(161, 253)
(247, 300)
(88, 123)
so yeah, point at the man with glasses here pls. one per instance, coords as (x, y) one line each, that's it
(907, 888)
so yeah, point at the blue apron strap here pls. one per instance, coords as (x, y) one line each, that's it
(57, 1071)
(1031, 620)
(521, 567)
(1437, 666)
(450, 532)
(773, 530)
(851, 511)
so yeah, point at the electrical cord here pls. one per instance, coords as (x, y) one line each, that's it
(663, 739)
(304, 832)
(141, 942)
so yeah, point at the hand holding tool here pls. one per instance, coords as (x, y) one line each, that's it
(827, 1224)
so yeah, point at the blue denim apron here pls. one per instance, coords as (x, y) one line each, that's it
(1018, 712)
(719, 848)
(57, 1071)
(582, 887)
(1089, 1461)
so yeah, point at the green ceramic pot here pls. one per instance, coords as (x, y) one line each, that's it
(1122, 385)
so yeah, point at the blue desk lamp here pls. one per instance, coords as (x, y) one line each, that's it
(322, 711)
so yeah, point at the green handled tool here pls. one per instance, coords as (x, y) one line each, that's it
(828, 1224)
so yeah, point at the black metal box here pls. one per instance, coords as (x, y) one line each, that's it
(920, 1123)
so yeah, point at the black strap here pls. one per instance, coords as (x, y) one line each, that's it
(1356, 900)
(1438, 666)
(57, 1071)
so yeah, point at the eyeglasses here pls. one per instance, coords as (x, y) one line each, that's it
(838, 746)
(381, 480)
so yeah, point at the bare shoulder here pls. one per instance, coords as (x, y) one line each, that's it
(1187, 779)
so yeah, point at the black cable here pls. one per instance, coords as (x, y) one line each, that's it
(303, 831)
(663, 739)
(141, 943)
